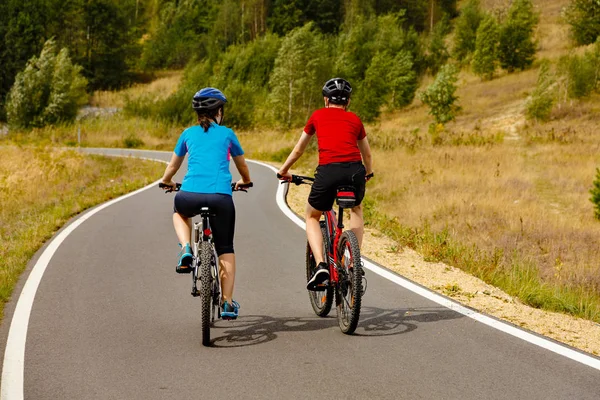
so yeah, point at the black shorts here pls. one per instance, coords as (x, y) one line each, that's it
(189, 205)
(329, 177)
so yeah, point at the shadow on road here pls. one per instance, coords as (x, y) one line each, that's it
(257, 329)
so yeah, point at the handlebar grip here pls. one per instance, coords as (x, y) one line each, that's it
(169, 188)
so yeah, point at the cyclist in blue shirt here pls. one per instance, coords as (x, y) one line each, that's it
(207, 183)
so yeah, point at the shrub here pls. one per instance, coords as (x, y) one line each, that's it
(49, 90)
(595, 192)
(440, 95)
(544, 96)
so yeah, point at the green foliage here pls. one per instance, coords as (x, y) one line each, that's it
(595, 192)
(48, 91)
(465, 30)
(301, 67)
(438, 53)
(517, 47)
(485, 59)
(440, 95)
(544, 96)
(580, 75)
(584, 18)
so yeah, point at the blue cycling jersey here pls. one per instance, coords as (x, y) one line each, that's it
(209, 154)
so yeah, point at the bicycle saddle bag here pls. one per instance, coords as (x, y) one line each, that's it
(345, 197)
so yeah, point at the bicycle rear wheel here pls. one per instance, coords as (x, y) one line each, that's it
(322, 300)
(349, 288)
(206, 289)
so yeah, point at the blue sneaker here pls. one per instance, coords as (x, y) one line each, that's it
(185, 260)
(230, 310)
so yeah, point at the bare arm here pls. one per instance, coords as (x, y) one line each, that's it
(365, 152)
(172, 169)
(242, 167)
(295, 154)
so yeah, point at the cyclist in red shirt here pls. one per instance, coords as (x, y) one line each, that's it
(343, 148)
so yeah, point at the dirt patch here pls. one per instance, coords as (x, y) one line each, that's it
(468, 290)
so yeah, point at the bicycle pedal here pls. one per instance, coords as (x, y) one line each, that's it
(195, 293)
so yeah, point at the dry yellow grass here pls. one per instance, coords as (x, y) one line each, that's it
(166, 83)
(42, 187)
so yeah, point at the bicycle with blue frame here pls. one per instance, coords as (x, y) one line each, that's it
(205, 265)
(347, 282)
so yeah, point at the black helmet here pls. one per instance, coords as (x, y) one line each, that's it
(337, 90)
(208, 99)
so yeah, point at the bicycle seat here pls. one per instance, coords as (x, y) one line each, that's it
(345, 197)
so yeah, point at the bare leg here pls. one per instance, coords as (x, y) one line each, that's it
(183, 228)
(227, 275)
(356, 223)
(313, 233)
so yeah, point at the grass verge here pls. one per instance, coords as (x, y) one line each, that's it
(42, 187)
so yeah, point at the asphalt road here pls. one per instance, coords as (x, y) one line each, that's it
(112, 320)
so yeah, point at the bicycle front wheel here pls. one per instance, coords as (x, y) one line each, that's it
(206, 289)
(322, 300)
(349, 287)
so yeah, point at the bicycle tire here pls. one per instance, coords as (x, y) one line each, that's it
(349, 287)
(320, 301)
(206, 295)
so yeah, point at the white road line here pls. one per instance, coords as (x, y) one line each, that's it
(14, 355)
(439, 299)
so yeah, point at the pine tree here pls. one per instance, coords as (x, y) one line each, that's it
(485, 59)
(517, 46)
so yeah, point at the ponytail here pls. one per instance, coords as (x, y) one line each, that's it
(207, 117)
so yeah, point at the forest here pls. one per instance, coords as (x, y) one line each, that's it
(261, 52)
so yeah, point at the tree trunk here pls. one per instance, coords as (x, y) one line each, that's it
(290, 102)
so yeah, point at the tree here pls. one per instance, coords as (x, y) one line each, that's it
(485, 59)
(465, 30)
(517, 47)
(584, 18)
(438, 53)
(301, 67)
(440, 95)
(49, 90)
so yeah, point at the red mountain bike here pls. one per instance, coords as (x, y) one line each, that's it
(342, 254)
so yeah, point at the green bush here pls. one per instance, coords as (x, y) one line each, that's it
(440, 95)
(580, 75)
(595, 192)
(49, 90)
(544, 96)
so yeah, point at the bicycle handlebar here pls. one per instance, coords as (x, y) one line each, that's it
(297, 179)
(168, 188)
(243, 187)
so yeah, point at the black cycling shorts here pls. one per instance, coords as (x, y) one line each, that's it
(189, 205)
(329, 177)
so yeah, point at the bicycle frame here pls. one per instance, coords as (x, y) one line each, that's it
(334, 232)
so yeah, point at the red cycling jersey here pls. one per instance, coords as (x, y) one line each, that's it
(337, 131)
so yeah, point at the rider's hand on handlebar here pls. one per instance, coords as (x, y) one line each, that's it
(284, 176)
(171, 185)
(240, 183)
(368, 177)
